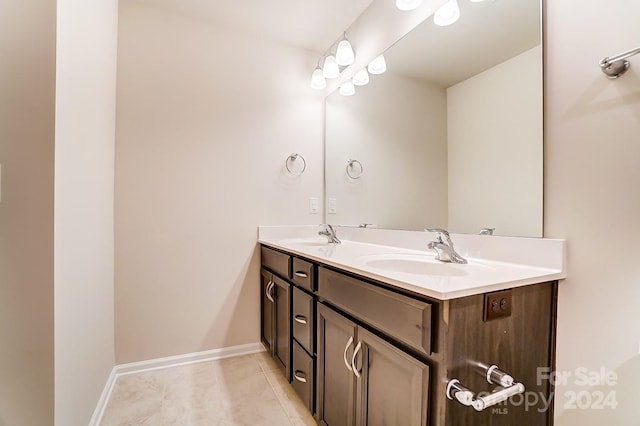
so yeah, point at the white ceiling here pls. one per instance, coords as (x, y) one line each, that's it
(311, 24)
(486, 34)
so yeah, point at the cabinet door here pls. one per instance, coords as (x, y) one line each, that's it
(393, 387)
(335, 382)
(266, 310)
(282, 327)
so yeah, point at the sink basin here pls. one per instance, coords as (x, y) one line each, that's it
(414, 264)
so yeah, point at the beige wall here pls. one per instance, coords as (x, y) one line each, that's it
(396, 127)
(495, 154)
(27, 87)
(206, 118)
(85, 135)
(592, 181)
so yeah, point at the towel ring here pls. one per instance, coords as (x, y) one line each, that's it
(350, 166)
(292, 158)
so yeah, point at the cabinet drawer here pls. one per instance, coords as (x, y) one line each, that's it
(278, 262)
(400, 317)
(303, 274)
(303, 372)
(303, 319)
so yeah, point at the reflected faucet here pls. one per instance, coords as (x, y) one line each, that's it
(328, 231)
(487, 231)
(444, 247)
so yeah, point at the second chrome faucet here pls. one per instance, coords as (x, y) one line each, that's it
(444, 247)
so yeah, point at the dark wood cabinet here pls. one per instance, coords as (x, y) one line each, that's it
(364, 352)
(393, 387)
(380, 384)
(336, 382)
(275, 326)
(266, 309)
(282, 325)
(287, 325)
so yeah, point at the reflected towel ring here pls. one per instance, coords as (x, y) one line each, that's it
(292, 158)
(350, 167)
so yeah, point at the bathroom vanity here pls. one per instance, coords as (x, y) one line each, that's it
(378, 332)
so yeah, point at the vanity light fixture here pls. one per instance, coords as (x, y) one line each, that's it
(347, 89)
(406, 5)
(345, 55)
(330, 68)
(377, 66)
(447, 14)
(361, 78)
(318, 82)
(332, 65)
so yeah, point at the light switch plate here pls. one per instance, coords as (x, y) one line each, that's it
(313, 205)
(332, 206)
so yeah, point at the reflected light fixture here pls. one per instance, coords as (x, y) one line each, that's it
(406, 5)
(347, 89)
(377, 66)
(318, 82)
(330, 68)
(344, 53)
(361, 78)
(447, 14)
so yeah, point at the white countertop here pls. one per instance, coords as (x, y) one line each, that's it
(399, 263)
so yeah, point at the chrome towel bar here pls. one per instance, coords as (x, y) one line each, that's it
(615, 66)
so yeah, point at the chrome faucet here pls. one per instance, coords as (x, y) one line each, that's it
(444, 247)
(487, 231)
(328, 231)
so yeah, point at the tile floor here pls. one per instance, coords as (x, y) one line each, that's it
(244, 390)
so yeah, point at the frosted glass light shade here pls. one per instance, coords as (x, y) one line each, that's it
(361, 78)
(330, 67)
(344, 54)
(447, 14)
(318, 81)
(405, 5)
(347, 89)
(377, 66)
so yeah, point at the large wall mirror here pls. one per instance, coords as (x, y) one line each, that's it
(451, 135)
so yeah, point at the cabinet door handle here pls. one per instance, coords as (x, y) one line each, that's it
(344, 355)
(301, 274)
(353, 360)
(300, 376)
(268, 289)
(300, 319)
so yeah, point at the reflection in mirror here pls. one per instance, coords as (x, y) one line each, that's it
(451, 135)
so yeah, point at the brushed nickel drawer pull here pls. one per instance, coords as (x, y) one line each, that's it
(300, 319)
(344, 355)
(300, 376)
(301, 274)
(268, 291)
(353, 360)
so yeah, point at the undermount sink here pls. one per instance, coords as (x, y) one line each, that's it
(414, 264)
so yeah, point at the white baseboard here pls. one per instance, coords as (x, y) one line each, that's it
(170, 361)
(96, 418)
